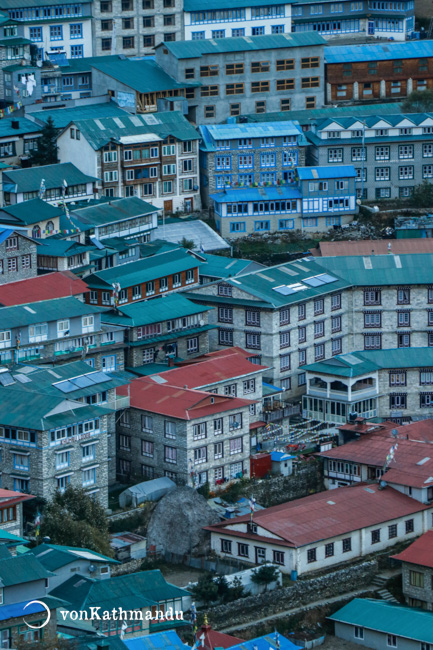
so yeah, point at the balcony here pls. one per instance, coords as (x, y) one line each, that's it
(279, 411)
(118, 404)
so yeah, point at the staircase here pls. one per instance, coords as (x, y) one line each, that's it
(380, 582)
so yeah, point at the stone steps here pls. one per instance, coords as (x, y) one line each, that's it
(386, 595)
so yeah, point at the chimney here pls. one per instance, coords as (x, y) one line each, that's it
(15, 124)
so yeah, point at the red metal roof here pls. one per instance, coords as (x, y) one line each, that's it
(373, 247)
(11, 498)
(176, 402)
(327, 514)
(419, 552)
(213, 639)
(44, 287)
(210, 369)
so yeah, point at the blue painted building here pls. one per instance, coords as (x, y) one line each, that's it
(315, 200)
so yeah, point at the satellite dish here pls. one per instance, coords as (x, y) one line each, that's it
(358, 201)
(201, 323)
(92, 568)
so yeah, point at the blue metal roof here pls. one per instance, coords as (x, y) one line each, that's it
(203, 5)
(278, 456)
(251, 130)
(4, 234)
(168, 640)
(316, 173)
(17, 609)
(267, 642)
(379, 52)
(276, 193)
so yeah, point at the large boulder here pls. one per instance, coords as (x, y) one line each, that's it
(176, 524)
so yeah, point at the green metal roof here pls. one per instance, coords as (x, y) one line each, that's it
(355, 364)
(305, 116)
(194, 49)
(8, 539)
(20, 569)
(131, 591)
(29, 212)
(209, 298)
(14, 41)
(145, 312)
(171, 123)
(402, 621)
(65, 116)
(218, 266)
(5, 5)
(62, 248)
(24, 125)
(44, 311)
(173, 335)
(29, 179)
(53, 556)
(142, 75)
(204, 5)
(112, 212)
(381, 270)
(150, 268)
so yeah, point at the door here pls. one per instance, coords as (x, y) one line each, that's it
(168, 206)
(188, 205)
(260, 555)
(371, 27)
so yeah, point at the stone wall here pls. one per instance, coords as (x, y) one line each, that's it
(306, 479)
(300, 593)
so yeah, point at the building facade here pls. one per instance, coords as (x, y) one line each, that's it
(391, 153)
(234, 74)
(18, 254)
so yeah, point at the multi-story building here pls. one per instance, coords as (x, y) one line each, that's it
(222, 19)
(46, 287)
(248, 74)
(391, 383)
(11, 511)
(57, 331)
(317, 199)
(63, 255)
(37, 218)
(47, 182)
(160, 331)
(247, 155)
(191, 436)
(17, 255)
(417, 572)
(155, 159)
(368, 18)
(307, 311)
(377, 72)
(56, 429)
(18, 138)
(59, 32)
(152, 276)
(134, 27)
(391, 153)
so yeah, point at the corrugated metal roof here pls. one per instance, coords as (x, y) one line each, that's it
(219, 266)
(419, 552)
(63, 117)
(143, 76)
(145, 312)
(214, 5)
(112, 211)
(198, 231)
(306, 117)
(60, 284)
(24, 126)
(277, 193)
(375, 247)
(62, 248)
(29, 212)
(45, 311)
(29, 179)
(250, 130)
(378, 52)
(314, 173)
(193, 49)
(20, 569)
(156, 126)
(402, 621)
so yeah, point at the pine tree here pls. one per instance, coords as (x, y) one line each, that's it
(46, 153)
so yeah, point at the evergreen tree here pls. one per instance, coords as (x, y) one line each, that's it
(266, 574)
(422, 196)
(419, 101)
(46, 153)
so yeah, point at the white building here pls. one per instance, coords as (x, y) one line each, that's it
(323, 530)
(225, 18)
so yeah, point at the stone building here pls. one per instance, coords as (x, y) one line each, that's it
(17, 255)
(255, 74)
(134, 27)
(391, 383)
(377, 72)
(56, 429)
(390, 20)
(59, 330)
(391, 153)
(307, 311)
(233, 155)
(217, 19)
(11, 511)
(18, 139)
(155, 158)
(159, 331)
(157, 275)
(417, 572)
(191, 436)
(39, 218)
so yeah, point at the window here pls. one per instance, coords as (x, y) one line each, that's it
(358, 632)
(403, 340)
(235, 68)
(200, 455)
(56, 33)
(235, 89)
(375, 536)
(346, 544)
(147, 423)
(278, 557)
(77, 53)
(397, 401)
(235, 109)
(235, 421)
(329, 549)
(249, 386)
(170, 455)
(169, 429)
(372, 297)
(310, 82)
(319, 306)
(392, 531)
(225, 337)
(335, 155)
(405, 173)
(409, 526)
(391, 641)
(403, 319)
(148, 41)
(243, 550)
(226, 546)
(311, 555)
(416, 579)
(235, 446)
(284, 362)
(218, 450)
(319, 352)
(89, 476)
(260, 86)
(199, 431)
(382, 173)
(260, 66)
(147, 448)
(252, 340)
(397, 378)
(218, 33)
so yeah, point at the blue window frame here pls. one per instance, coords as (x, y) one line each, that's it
(90, 362)
(268, 160)
(246, 179)
(56, 32)
(36, 34)
(223, 162)
(258, 31)
(333, 221)
(76, 30)
(262, 225)
(21, 485)
(76, 51)
(109, 364)
(197, 36)
(222, 181)
(237, 226)
(218, 33)
(277, 29)
(238, 32)
(309, 222)
(286, 224)
(21, 462)
(268, 177)
(290, 157)
(67, 82)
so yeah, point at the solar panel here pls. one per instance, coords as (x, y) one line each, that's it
(22, 379)
(66, 386)
(327, 279)
(313, 282)
(82, 382)
(99, 377)
(6, 379)
(283, 289)
(367, 263)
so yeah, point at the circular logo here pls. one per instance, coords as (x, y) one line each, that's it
(38, 627)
